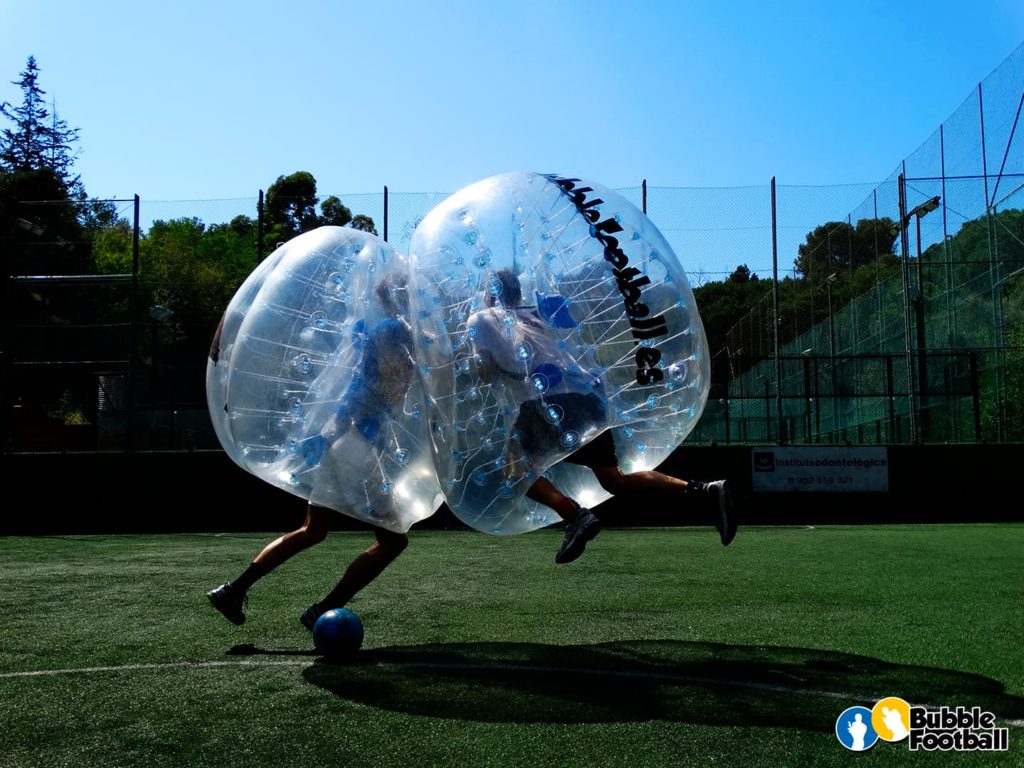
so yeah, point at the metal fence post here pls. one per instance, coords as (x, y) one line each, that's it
(975, 394)
(133, 333)
(890, 388)
(259, 228)
(780, 429)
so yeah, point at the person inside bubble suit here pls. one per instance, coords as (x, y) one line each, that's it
(345, 448)
(582, 402)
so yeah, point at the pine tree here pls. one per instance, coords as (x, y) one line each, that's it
(38, 139)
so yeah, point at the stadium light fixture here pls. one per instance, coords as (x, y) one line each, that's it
(926, 207)
(922, 210)
(32, 227)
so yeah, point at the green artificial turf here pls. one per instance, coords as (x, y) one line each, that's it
(657, 648)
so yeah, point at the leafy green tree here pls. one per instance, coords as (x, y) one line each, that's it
(291, 209)
(364, 223)
(742, 274)
(194, 270)
(291, 206)
(112, 249)
(723, 304)
(836, 246)
(39, 238)
(335, 213)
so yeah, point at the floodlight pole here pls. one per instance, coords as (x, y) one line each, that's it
(259, 228)
(779, 423)
(919, 212)
(133, 303)
(922, 361)
(829, 281)
(905, 273)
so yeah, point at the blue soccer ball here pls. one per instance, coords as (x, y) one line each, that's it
(338, 632)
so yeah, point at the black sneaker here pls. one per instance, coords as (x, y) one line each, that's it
(722, 507)
(577, 534)
(229, 601)
(310, 615)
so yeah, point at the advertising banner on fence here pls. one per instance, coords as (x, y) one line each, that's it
(829, 470)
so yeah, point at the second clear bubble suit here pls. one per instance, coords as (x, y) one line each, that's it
(546, 310)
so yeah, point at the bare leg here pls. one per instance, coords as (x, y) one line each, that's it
(713, 498)
(230, 598)
(311, 532)
(365, 568)
(615, 481)
(543, 491)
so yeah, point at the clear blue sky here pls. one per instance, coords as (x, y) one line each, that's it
(200, 100)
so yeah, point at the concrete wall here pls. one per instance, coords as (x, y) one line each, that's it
(205, 491)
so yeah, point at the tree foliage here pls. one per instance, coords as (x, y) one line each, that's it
(335, 212)
(837, 246)
(291, 203)
(291, 209)
(47, 221)
(39, 138)
(723, 304)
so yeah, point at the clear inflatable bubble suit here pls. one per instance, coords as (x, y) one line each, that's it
(312, 384)
(547, 310)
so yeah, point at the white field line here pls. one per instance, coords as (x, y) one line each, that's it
(596, 672)
(145, 667)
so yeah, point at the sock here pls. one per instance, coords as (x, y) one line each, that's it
(250, 576)
(567, 508)
(695, 486)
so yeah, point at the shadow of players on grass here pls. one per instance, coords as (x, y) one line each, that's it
(690, 682)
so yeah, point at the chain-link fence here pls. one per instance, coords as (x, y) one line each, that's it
(926, 273)
(881, 313)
